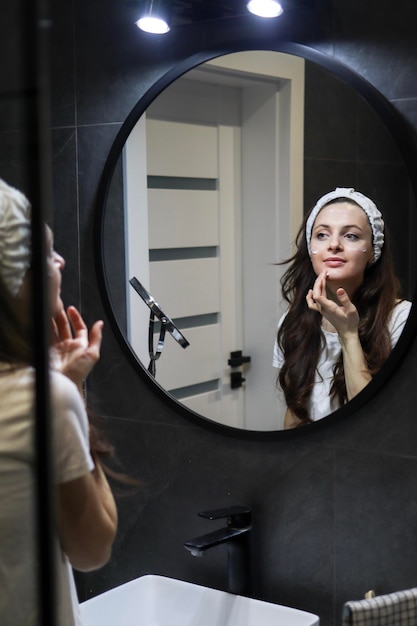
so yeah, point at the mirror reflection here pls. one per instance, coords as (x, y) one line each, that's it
(214, 180)
(345, 312)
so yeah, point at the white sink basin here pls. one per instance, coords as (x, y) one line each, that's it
(160, 601)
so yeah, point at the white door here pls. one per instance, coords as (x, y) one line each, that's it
(218, 193)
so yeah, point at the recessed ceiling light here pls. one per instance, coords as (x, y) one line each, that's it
(155, 17)
(152, 25)
(265, 8)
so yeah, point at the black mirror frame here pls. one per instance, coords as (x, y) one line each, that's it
(394, 123)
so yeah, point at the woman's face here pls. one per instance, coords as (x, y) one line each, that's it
(54, 266)
(341, 245)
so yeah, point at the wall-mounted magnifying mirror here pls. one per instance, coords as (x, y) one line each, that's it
(208, 188)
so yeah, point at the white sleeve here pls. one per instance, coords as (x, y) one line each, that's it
(278, 357)
(398, 319)
(70, 431)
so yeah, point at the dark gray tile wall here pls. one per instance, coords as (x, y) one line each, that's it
(335, 510)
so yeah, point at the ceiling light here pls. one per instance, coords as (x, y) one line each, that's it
(155, 17)
(265, 8)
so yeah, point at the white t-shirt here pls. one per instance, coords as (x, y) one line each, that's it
(71, 459)
(320, 402)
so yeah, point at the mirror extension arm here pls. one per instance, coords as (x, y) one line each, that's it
(166, 324)
(166, 321)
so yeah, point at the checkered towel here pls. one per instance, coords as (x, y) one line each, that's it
(394, 609)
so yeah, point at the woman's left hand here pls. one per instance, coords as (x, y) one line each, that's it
(76, 350)
(344, 316)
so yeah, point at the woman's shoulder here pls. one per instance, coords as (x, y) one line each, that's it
(282, 318)
(401, 309)
(398, 319)
(402, 303)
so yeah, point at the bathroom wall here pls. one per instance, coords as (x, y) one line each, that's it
(335, 512)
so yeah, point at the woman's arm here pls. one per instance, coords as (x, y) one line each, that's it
(357, 374)
(87, 514)
(343, 316)
(87, 520)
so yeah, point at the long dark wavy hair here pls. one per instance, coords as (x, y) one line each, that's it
(15, 332)
(300, 337)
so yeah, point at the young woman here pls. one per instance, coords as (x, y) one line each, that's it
(344, 314)
(86, 513)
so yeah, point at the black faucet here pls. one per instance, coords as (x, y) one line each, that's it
(236, 535)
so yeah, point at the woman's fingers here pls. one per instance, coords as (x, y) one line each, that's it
(69, 327)
(317, 296)
(95, 338)
(319, 287)
(77, 323)
(311, 303)
(62, 326)
(348, 307)
(345, 302)
(90, 340)
(343, 297)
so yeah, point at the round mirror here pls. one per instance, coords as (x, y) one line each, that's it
(201, 200)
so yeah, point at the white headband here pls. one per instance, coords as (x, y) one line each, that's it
(374, 216)
(15, 237)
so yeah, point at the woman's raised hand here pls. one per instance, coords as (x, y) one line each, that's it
(76, 350)
(342, 315)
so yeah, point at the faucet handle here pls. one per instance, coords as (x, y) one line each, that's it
(238, 516)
